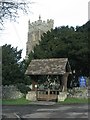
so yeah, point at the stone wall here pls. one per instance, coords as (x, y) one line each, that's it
(78, 92)
(11, 92)
(31, 96)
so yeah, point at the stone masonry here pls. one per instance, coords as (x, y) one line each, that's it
(11, 92)
(35, 31)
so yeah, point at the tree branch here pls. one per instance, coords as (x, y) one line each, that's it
(9, 9)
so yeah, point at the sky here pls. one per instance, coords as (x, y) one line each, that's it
(63, 12)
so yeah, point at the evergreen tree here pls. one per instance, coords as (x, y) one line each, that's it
(67, 42)
(11, 72)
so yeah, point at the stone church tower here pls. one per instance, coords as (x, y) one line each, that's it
(35, 30)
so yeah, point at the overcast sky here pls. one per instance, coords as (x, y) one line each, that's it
(63, 12)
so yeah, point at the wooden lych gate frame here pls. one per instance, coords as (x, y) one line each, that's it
(55, 66)
(47, 95)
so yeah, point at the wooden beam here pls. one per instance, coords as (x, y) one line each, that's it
(64, 82)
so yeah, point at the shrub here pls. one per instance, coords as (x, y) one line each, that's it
(23, 88)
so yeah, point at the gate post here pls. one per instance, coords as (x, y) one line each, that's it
(48, 94)
(64, 82)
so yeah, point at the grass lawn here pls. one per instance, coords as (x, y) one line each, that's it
(20, 101)
(23, 101)
(75, 100)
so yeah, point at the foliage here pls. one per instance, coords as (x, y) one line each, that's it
(61, 42)
(11, 73)
(67, 42)
(9, 9)
(13, 70)
(23, 88)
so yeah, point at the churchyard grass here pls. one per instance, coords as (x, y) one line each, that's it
(20, 101)
(75, 100)
(23, 101)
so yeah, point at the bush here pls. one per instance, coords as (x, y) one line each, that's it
(23, 88)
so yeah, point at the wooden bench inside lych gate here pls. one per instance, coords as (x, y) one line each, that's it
(47, 95)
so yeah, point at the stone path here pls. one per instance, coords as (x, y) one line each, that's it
(46, 110)
(43, 103)
(60, 112)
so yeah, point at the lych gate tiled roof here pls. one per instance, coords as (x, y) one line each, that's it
(56, 66)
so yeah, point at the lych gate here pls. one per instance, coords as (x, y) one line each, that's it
(52, 73)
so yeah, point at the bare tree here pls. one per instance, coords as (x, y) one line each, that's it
(9, 9)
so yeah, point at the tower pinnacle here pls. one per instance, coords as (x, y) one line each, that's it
(39, 17)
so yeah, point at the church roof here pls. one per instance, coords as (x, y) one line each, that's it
(54, 66)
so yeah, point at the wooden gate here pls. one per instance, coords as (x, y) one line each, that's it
(47, 95)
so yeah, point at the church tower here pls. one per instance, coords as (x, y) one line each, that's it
(35, 30)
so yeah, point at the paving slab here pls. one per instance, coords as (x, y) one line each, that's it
(43, 103)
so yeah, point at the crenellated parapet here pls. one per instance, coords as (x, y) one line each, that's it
(39, 24)
(35, 31)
